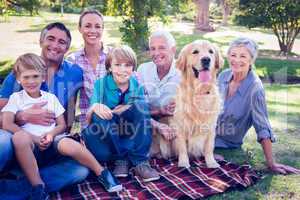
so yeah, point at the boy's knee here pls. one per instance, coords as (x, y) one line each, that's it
(97, 127)
(97, 119)
(67, 146)
(21, 139)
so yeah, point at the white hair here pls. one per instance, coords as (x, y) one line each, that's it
(164, 34)
(248, 43)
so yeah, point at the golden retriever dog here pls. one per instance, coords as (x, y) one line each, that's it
(197, 106)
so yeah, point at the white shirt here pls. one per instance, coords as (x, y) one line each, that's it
(20, 101)
(158, 92)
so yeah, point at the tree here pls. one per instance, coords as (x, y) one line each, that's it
(135, 14)
(283, 17)
(30, 5)
(134, 26)
(202, 18)
(227, 7)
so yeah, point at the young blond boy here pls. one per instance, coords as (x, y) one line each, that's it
(119, 119)
(37, 145)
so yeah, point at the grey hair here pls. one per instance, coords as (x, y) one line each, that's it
(59, 26)
(164, 34)
(248, 43)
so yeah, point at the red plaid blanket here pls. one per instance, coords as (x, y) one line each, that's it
(193, 183)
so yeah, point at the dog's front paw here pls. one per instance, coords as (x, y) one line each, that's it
(212, 165)
(184, 163)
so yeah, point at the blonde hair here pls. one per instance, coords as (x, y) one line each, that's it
(29, 61)
(121, 52)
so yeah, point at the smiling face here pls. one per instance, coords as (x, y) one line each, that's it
(161, 53)
(54, 45)
(31, 81)
(200, 60)
(239, 59)
(121, 70)
(91, 28)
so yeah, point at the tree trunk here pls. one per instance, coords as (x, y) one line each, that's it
(141, 24)
(83, 4)
(226, 12)
(202, 19)
(61, 8)
(285, 41)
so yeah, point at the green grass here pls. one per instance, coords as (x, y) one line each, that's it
(284, 111)
(267, 67)
(5, 67)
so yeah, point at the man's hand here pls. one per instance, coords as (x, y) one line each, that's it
(166, 131)
(37, 115)
(169, 109)
(45, 141)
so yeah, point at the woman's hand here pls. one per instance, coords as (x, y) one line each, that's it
(102, 111)
(272, 165)
(283, 169)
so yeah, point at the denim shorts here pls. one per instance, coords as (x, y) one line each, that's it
(50, 154)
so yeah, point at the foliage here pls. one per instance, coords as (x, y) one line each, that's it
(8, 7)
(215, 11)
(6, 67)
(135, 14)
(283, 17)
(30, 5)
(76, 6)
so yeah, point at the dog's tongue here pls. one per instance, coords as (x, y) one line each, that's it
(204, 76)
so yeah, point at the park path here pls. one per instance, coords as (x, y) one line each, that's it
(20, 34)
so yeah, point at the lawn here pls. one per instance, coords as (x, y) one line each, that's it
(284, 112)
(283, 100)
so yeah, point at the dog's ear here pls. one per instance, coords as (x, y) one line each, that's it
(181, 61)
(219, 58)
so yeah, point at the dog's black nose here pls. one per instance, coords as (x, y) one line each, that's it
(205, 61)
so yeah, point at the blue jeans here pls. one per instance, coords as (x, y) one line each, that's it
(126, 136)
(56, 175)
(6, 148)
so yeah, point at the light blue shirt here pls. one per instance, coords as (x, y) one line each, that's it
(246, 108)
(158, 92)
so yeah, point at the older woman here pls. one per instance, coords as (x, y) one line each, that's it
(245, 104)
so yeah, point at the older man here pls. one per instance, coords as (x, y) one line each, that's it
(160, 79)
(63, 80)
